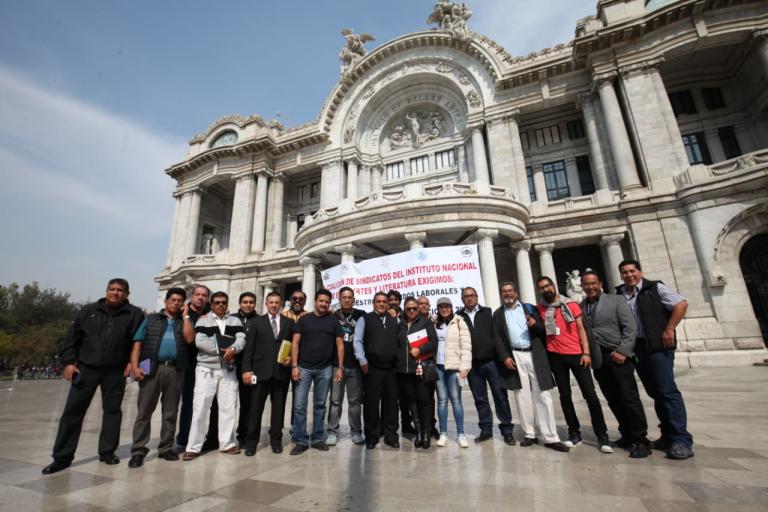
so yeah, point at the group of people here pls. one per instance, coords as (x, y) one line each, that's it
(399, 361)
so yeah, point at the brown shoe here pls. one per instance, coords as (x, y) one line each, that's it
(190, 456)
(232, 451)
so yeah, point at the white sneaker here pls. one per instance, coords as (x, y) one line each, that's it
(330, 440)
(463, 441)
(443, 440)
(606, 448)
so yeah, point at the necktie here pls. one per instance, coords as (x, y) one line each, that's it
(274, 327)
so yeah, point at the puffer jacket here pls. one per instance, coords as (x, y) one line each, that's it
(458, 345)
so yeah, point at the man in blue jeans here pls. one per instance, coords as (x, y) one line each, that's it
(658, 310)
(312, 358)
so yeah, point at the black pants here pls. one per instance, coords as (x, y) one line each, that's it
(277, 391)
(617, 381)
(419, 397)
(380, 397)
(244, 395)
(405, 407)
(185, 414)
(562, 366)
(112, 383)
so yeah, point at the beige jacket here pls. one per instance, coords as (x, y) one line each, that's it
(458, 345)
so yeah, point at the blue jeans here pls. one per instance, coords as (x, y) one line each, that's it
(448, 387)
(657, 373)
(321, 377)
(483, 376)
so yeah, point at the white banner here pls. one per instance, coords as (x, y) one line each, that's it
(435, 272)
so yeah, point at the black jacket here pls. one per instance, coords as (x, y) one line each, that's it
(510, 379)
(483, 349)
(405, 363)
(261, 348)
(101, 335)
(248, 322)
(153, 337)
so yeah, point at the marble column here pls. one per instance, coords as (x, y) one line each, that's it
(330, 184)
(192, 240)
(416, 239)
(526, 287)
(593, 138)
(241, 225)
(572, 173)
(518, 158)
(309, 281)
(352, 180)
(761, 36)
(546, 263)
(461, 163)
(502, 153)
(174, 230)
(617, 134)
(260, 213)
(488, 267)
(376, 178)
(539, 184)
(478, 155)
(347, 252)
(293, 227)
(277, 182)
(612, 246)
(364, 181)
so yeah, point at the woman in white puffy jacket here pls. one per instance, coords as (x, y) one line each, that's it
(454, 360)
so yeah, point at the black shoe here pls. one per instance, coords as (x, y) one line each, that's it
(136, 461)
(277, 448)
(370, 445)
(426, 439)
(661, 444)
(109, 458)
(320, 445)
(639, 451)
(418, 439)
(510, 440)
(484, 436)
(623, 442)
(169, 456)
(558, 447)
(679, 452)
(250, 452)
(408, 429)
(55, 467)
(434, 433)
(299, 449)
(528, 441)
(394, 443)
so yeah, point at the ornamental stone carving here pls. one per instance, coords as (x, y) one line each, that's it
(354, 49)
(349, 134)
(443, 67)
(415, 128)
(474, 99)
(451, 16)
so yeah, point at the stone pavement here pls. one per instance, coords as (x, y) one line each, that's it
(728, 413)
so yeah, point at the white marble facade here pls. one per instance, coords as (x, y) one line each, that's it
(645, 137)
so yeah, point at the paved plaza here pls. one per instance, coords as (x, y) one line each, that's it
(728, 414)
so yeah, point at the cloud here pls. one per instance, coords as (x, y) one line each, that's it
(522, 27)
(84, 196)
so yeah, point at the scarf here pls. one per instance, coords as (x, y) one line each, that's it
(549, 320)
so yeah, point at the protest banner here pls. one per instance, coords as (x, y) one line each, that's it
(434, 272)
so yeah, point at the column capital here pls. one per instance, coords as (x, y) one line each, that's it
(509, 115)
(350, 249)
(611, 239)
(244, 174)
(584, 100)
(542, 248)
(487, 233)
(331, 160)
(279, 176)
(268, 284)
(521, 245)
(475, 125)
(642, 67)
(416, 236)
(307, 261)
(603, 79)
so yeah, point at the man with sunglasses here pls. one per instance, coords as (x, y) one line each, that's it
(215, 375)
(296, 310)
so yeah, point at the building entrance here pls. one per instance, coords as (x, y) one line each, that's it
(754, 266)
(581, 258)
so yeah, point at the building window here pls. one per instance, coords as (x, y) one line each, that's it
(729, 141)
(713, 98)
(531, 187)
(420, 165)
(540, 142)
(301, 193)
(585, 175)
(554, 133)
(575, 129)
(556, 180)
(524, 141)
(314, 189)
(395, 170)
(682, 103)
(696, 149)
(445, 159)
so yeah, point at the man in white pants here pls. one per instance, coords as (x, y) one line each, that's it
(216, 376)
(519, 338)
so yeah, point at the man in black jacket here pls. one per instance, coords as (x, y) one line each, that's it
(485, 370)
(95, 353)
(262, 345)
(247, 315)
(158, 362)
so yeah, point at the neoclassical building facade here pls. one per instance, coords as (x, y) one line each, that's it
(644, 137)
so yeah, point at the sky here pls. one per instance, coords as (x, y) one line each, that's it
(98, 98)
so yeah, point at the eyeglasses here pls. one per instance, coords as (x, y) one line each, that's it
(219, 303)
(297, 299)
(412, 309)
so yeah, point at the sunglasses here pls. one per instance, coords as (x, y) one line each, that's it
(297, 299)
(412, 309)
(219, 303)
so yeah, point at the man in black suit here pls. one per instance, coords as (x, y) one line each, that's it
(262, 346)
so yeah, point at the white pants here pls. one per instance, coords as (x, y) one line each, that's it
(534, 406)
(223, 385)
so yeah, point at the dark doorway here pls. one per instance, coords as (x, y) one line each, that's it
(754, 266)
(577, 258)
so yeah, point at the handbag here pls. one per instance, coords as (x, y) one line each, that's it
(429, 371)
